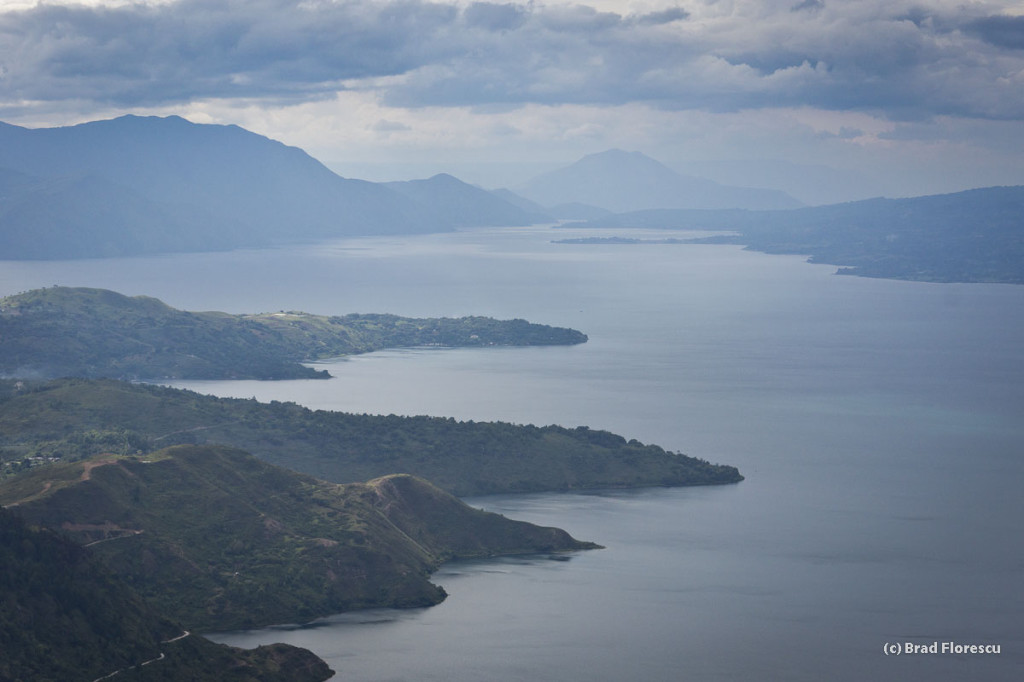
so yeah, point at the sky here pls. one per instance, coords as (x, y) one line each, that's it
(829, 99)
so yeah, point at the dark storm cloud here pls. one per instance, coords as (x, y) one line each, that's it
(807, 5)
(904, 61)
(1001, 31)
(663, 17)
(143, 55)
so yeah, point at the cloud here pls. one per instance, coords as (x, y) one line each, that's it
(666, 16)
(807, 5)
(887, 56)
(386, 126)
(494, 17)
(1003, 31)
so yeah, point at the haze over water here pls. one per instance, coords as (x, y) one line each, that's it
(878, 424)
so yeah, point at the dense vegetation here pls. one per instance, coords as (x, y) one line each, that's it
(65, 616)
(64, 331)
(217, 539)
(74, 418)
(973, 236)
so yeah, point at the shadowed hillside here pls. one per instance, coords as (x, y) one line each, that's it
(218, 539)
(65, 616)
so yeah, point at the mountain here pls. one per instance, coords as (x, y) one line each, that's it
(621, 181)
(63, 331)
(532, 207)
(71, 419)
(451, 201)
(811, 184)
(971, 236)
(65, 616)
(142, 185)
(218, 539)
(207, 186)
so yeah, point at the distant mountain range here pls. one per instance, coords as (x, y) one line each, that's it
(971, 236)
(620, 181)
(450, 201)
(143, 185)
(137, 185)
(146, 185)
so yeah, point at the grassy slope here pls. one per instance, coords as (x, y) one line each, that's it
(64, 616)
(98, 333)
(218, 539)
(75, 417)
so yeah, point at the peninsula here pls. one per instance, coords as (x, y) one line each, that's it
(61, 331)
(216, 539)
(71, 419)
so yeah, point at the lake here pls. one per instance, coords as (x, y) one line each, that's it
(879, 425)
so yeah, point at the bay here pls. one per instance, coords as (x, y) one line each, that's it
(878, 424)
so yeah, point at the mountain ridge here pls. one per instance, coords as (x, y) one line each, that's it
(974, 235)
(621, 181)
(204, 187)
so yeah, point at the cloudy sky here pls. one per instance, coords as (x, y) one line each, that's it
(840, 98)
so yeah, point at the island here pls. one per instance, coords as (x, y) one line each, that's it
(620, 240)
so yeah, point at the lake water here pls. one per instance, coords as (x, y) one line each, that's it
(880, 425)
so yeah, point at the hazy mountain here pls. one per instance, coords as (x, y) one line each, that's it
(971, 236)
(578, 211)
(812, 184)
(451, 201)
(147, 185)
(539, 213)
(630, 181)
(570, 211)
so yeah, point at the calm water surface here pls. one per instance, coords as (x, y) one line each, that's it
(879, 424)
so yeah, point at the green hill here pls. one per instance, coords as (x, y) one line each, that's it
(217, 539)
(75, 418)
(65, 616)
(64, 331)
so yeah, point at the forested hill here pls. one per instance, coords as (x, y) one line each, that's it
(73, 418)
(217, 539)
(66, 616)
(64, 331)
(971, 236)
